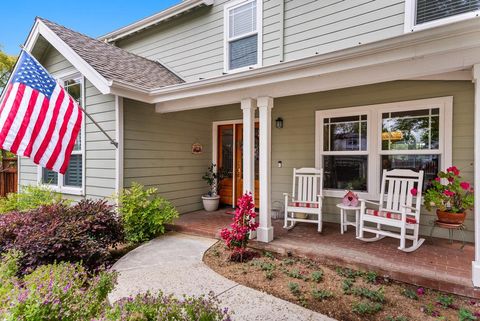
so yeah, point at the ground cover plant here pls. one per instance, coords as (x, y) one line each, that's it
(68, 292)
(341, 293)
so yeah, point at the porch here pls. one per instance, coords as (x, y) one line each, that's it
(436, 264)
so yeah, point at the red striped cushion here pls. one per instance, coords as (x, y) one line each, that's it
(395, 216)
(303, 204)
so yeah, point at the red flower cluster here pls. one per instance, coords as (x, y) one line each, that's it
(243, 224)
(454, 170)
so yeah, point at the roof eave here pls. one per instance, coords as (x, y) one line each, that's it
(166, 14)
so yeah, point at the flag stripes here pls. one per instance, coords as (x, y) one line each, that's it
(38, 118)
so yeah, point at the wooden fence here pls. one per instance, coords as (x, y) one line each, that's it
(8, 175)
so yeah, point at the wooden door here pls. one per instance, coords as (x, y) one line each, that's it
(225, 163)
(239, 162)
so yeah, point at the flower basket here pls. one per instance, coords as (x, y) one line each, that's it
(450, 217)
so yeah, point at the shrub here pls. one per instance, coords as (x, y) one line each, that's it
(62, 291)
(236, 238)
(83, 232)
(294, 288)
(373, 295)
(411, 294)
(317, 276)
(370, 277)
(321, 294)
(466, 315)
(364, 308)
(445, 301)
(144, 215)
(29, 198)
(149, 307)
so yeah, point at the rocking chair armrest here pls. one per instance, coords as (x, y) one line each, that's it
(320, 196)
(408, 207)
(369, 202)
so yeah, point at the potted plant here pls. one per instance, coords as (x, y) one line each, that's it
(450, 195)
(211, 199)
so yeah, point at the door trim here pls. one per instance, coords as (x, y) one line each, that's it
(215, 125)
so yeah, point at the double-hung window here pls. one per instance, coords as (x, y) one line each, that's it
(72, 181)
(354, 145)
(421, 14)
(243, 35)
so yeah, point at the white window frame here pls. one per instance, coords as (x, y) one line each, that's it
(227, 40)
(59, 187)
(410, 13)
(374, 142)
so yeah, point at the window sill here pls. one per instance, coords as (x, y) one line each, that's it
(234, 71)
(66, 190)
(441, 22)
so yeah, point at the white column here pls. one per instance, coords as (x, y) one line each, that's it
(476, 263)
(248, 108)
(265, 229)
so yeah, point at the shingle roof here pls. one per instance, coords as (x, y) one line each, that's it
(114, 63)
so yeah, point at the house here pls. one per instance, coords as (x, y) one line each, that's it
(264, 86)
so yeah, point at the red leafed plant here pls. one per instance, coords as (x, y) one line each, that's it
(236, 238)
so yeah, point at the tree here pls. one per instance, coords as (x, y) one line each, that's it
(7, 63)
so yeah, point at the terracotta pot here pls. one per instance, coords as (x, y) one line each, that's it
(451, 218)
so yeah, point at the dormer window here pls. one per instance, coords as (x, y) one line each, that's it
(242, 35)
(422, 14)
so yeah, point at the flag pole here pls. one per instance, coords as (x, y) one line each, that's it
(112, 141)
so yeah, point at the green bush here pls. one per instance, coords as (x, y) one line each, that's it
(144, 214)
(29, 198)
(149, 307)
(61, 291)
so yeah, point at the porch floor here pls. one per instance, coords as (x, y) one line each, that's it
(436, 264)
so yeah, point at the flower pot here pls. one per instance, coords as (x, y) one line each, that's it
(301, 215)
(451, 218)
(210, 203)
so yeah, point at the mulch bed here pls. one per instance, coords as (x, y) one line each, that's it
(340, 293)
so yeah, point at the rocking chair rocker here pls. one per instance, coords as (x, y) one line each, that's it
(398, 208)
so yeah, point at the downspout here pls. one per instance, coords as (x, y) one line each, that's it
(282, 30)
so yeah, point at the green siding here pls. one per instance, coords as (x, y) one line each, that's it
(192, 44)
(99, 153)
(294, 144)
(157, 150)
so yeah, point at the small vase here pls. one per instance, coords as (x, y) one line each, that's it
(450, 217)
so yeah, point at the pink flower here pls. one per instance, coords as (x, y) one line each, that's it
(453, 170)
(437, 179)
(465, 185)
(414, 191)
(448, 193)
(420, 291)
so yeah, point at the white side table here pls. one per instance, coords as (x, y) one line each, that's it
(344, 222)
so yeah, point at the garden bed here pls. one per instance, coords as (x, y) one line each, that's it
(340, 293)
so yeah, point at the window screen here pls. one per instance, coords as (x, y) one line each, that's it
(430, 10)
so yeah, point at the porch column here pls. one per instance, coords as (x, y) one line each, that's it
(476, 210)
(265, 229)
(248, 108)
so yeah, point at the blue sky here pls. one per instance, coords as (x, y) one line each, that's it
(90, 17)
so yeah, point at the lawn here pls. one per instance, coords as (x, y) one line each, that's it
(340, 293)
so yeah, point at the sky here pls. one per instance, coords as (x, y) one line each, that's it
(91, 17)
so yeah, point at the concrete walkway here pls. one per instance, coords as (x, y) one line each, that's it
(173, 264)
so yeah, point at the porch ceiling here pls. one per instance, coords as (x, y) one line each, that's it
(443, 50)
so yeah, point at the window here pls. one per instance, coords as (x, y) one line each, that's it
(72, 181)
(354, 145)
(242, 35)
(421, 14)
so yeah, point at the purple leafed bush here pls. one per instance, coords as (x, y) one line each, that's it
(80, 233)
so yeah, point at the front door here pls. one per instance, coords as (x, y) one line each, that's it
(230, 162)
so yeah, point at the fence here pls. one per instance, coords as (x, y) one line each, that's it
(8, 175)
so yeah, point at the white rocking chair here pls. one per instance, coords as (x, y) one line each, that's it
(398, 208)
(306, 197)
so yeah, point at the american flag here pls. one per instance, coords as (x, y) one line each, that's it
(38, 118)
